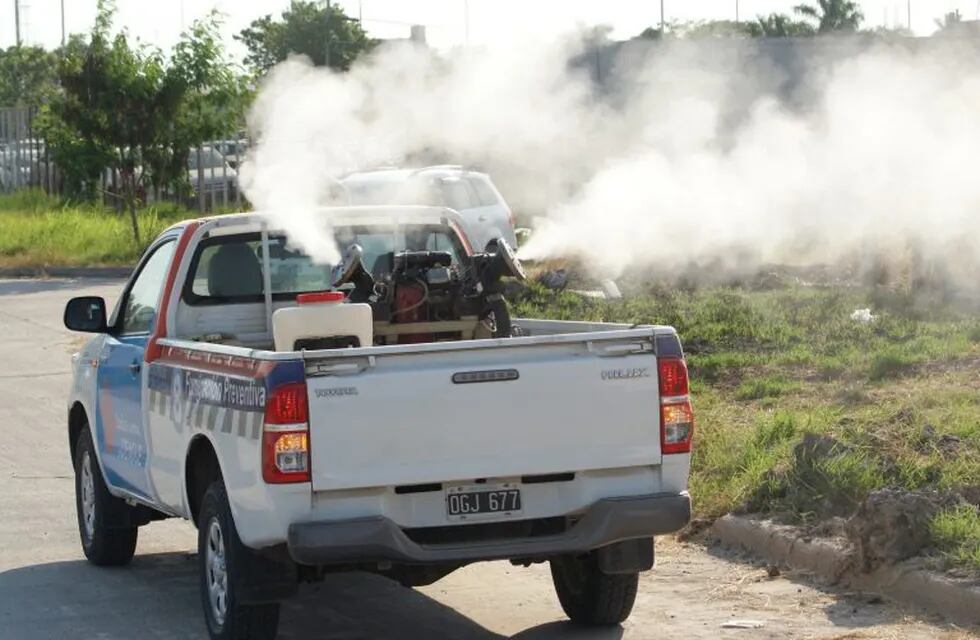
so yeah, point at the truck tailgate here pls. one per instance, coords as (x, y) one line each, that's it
(519, 407)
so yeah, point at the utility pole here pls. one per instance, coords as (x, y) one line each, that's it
(326, 38)
(910, 15)
(17, 20)
(62, 23)
(662, 32)
(736, 12)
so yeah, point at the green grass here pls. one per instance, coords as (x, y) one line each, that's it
(764, 387)
(38, 230)
(888, 403)
(957, 533)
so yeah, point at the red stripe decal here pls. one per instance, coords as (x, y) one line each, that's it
(153, 350)
(215, 362)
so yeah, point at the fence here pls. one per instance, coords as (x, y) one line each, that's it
(25, 162)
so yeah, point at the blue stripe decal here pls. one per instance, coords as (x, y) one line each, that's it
(284, 373)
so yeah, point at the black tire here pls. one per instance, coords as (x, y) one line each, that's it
(590, 597)
(234, 621)
(104, 545)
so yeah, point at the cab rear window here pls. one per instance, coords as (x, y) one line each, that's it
(229, 269)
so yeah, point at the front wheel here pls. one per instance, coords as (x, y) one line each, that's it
(219, 554)
(104, 544)
(590, 597)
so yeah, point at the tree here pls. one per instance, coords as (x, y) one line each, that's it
(650, 33)
(832, 15)
(129, 111)
(780, 25)
(715, 29)
(214, 104)
(882, 31)
(306, 29)
(28, 75)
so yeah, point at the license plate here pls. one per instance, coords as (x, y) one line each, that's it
(476, 501)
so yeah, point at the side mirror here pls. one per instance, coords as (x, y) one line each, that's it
(86, 313)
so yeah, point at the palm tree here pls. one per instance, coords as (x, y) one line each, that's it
(832, 15)
(950, 21)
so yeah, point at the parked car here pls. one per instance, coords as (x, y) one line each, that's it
(336, 442)
(232, 150)
(218, 176)
(20, 162)
(471, 193)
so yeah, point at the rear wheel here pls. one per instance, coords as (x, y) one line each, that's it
(590, 597)
(104, 544)
(220, 556)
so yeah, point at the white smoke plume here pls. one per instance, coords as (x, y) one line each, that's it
(694, 158)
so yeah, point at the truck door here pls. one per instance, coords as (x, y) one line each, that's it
(120, 427)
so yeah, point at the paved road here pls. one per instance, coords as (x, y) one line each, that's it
(47, 590)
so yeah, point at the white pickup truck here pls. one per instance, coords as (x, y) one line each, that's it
(456, 435)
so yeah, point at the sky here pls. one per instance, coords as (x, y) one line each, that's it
(160, 22)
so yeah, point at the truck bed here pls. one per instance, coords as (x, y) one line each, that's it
(567, 397)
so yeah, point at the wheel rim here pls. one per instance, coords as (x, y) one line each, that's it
(217, 572)
(88, 497)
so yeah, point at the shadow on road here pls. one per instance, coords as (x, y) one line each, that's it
(565, 630)
(157, 596)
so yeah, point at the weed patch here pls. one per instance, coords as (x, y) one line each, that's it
(766, 387)
(957, 534)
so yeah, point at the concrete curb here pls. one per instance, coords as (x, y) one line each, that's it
(831, 562)
(65, 272)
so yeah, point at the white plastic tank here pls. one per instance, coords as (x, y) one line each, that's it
(322, 320)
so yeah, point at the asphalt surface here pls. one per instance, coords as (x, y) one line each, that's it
(47, 590)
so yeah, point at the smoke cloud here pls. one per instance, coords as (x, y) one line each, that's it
(689, 154)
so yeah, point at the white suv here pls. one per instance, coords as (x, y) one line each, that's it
(472, 194)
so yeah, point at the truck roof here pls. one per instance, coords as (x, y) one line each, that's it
(344, 215)
(246, 222)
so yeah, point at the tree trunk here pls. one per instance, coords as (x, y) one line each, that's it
(129, 194)
(135, 222)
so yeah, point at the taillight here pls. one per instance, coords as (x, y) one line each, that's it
(673, 377)
(676, 414)
(285, 435)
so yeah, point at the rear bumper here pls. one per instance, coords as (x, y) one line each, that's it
(379, 539)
